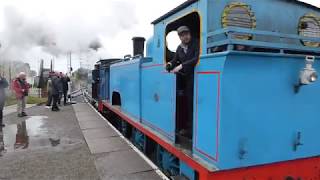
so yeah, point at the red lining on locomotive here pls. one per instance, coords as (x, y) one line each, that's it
(218, 116)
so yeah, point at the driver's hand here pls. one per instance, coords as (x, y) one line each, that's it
(167, 66)
(177, 69)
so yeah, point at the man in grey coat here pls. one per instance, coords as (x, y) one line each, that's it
(56, 91)
(49, 88)
(3, 85)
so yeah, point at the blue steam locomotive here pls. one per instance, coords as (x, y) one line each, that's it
(256, 95)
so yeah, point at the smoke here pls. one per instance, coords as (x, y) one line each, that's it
(21, 34)
(95, 45)
(32, 38)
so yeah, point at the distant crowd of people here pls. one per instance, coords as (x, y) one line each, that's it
(58, 86)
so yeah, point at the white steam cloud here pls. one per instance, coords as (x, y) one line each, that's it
(30, 39)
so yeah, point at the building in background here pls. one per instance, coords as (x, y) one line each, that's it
(10, 69)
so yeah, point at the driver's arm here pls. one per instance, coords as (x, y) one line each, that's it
(175, 60)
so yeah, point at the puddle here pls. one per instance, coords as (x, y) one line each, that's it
(28, 133)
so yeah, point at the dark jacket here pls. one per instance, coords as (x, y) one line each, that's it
(56, 86)
(188, 60)
(65, 81)
(3, 84)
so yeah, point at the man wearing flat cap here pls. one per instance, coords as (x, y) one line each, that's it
(183, 64)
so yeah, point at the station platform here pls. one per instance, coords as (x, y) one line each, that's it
(74, 143)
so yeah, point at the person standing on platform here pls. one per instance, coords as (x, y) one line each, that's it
(3, 86)
(49, 88)
(60, 76)
(56, 91)
(21, 88)
(65, 86)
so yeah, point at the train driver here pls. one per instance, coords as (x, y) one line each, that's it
(183, 64)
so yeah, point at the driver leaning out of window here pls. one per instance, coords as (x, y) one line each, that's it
(183, 64)
(187, 53)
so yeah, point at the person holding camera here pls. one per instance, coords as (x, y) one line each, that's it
(3, 86)
(21, 88)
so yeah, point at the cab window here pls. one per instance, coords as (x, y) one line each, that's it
(192, 21)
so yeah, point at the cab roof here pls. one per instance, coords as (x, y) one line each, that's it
(189, 2)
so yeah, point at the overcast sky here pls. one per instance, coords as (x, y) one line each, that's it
(31, 30)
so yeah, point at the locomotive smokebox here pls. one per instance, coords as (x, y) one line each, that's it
(138, 46)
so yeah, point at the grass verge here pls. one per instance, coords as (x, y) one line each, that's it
(11, 100)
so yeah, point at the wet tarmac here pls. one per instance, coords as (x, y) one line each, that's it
(44, 145)
(25, 134)
(73, 144)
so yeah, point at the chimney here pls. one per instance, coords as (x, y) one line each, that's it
(138, 46)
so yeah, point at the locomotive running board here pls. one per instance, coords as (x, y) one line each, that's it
(309, 166)
(192, 160)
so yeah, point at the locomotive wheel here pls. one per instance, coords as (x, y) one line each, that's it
(125, 129)
(139, 139)
(167, 162)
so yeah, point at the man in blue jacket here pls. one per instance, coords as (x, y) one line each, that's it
(3, 85)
